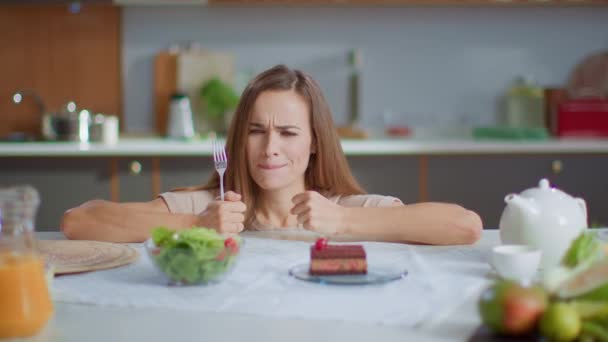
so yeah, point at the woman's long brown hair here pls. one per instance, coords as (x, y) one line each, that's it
(328, 171)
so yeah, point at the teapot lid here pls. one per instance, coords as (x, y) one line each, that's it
(543, 183)
(544, 190)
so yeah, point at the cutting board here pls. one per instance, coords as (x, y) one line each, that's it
(186, 72)
(69, 256)
(590, 77)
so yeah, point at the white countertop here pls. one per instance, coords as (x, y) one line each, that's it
(165, 147)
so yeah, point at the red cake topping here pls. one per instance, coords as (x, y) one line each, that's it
(320, 243)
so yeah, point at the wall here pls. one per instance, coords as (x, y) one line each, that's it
(429, 65)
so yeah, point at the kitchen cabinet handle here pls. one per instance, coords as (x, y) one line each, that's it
(135, 167)
(557, 166)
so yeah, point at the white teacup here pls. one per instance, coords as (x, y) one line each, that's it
(516, 262)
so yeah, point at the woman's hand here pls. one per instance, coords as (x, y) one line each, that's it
(317, 213)
(226, 216)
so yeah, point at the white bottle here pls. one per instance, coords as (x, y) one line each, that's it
(181, 125)
(110, 130)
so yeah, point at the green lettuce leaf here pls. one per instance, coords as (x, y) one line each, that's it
(193, 255)
(586, 248)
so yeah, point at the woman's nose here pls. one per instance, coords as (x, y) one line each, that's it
(271, 147)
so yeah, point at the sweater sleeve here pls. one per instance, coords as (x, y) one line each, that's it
(187, 202)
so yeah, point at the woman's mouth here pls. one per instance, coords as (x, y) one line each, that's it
(271, 166)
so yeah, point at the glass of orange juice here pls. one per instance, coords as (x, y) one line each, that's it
(26, 304)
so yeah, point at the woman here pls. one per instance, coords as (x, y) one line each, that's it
(286, 168)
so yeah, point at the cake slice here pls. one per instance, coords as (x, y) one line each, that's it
(328, 259)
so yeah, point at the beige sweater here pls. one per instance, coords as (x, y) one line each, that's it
(195, 202)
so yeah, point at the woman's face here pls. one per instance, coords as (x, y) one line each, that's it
(279, 140)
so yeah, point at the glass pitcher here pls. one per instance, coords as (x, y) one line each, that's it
(24, 295)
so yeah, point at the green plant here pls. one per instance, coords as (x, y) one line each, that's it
(218, 98)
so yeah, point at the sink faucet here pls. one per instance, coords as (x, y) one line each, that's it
(18, 97)
(46, 124)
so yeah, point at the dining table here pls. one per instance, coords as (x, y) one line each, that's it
(435, 299)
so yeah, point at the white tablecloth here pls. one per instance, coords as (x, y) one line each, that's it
(438, 280)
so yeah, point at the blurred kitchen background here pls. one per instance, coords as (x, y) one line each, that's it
(413, 72)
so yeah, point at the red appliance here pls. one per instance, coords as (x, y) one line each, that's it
(582, 118)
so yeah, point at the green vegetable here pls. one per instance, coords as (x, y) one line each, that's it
(587, 248)
(598, 331)
(591, 309)
(584, 252)
(218, 97)
(162, 236)
(197, 255)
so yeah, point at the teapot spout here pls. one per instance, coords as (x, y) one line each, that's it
(524, 205)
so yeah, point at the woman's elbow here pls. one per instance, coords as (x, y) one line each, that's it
(469, 227)
(73, 219)
(68, 224)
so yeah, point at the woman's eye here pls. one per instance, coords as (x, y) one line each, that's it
(255, 131)
(288, 134)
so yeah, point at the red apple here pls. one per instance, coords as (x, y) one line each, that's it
(509, 308)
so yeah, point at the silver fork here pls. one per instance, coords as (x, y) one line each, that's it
(221, 162)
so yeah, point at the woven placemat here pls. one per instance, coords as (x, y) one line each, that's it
(68, 256)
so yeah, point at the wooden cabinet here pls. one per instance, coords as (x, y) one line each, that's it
(480, 183)
(63, 183)
(61, 56)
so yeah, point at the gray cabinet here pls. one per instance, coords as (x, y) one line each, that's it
(480, 183)
(585, 176)
(179, 172)
(396, 176)
(135, 179)
(388, 175)
(63, 183)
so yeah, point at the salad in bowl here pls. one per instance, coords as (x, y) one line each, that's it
(192, 256)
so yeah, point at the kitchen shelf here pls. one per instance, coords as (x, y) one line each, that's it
(380, 3)
(156, 147)
(369, 3)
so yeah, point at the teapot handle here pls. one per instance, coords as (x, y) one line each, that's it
(581, 203)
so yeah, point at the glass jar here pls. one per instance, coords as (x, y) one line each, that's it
(525, 104)
(26, 304)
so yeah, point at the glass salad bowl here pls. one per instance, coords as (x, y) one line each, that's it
(195, 256)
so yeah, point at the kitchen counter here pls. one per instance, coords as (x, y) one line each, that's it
(412, 146)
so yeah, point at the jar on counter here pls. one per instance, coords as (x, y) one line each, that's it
(26, 304)
(105, 129)
(524, 104)
(181, 124)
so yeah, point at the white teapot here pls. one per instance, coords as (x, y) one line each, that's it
(545, 218)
